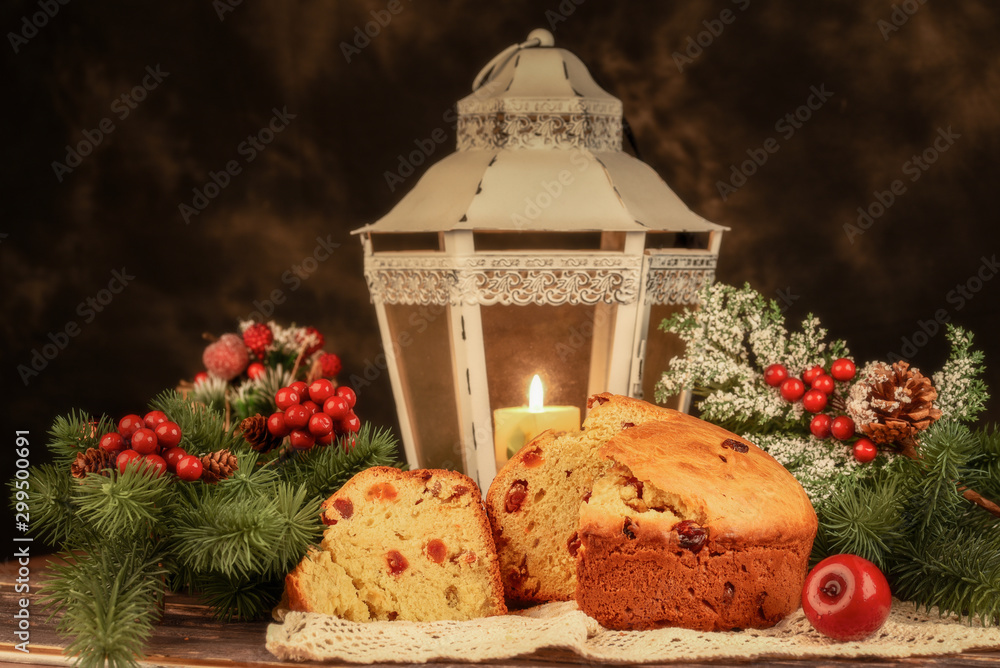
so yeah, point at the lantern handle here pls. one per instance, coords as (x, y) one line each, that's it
(537, 37)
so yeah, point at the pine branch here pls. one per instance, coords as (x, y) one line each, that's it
(962, 393)
(946, 449)
(243, 599)
(203, 429)
(50, 502)
(124, 504)
(73, 433)
(210, 392)
(302, 527)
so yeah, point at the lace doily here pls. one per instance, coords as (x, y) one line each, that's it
(315, 637)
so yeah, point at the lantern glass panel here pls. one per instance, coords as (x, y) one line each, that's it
(420, 334)
(660, 348)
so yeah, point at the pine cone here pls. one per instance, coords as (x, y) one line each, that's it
(256, 433)
(892, 404)
(218, 466)
(94, 460)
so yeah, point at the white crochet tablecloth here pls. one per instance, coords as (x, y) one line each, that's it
(315, 637)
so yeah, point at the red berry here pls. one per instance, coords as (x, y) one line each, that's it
(846, 597)
(320, 390)
(189, 468)
(154, 464)
(311, 406)
(842, 428)
(168, 434)
(144, 442)
(286, 397)
(792, 389)
(810, 374)
(276, 425)
(129, 424)
(301, 440)
(814, 401)
(864, 450)
(336, 407)
(297, 416)
(172, 456)
(843, 369)
(820, 425)
(111, 442)
(330, 365)
(775, 374)
(302, 388)
(349, 394)
(320, 424)
(200, 377)
(312, 338)
(350, 424)
(348, 442)
(256, 370)
(257, 338)
(823, 383)
(328, 439)
(125, 457)
(153, 418)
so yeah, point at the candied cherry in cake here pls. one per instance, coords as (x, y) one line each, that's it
(336, 407)
(814, 401)
(775, 374)
(792, 389)
(820, 425)
(864, 450)
(842, 428)
(846, 597)
(286, 397)
(843, 369)
(168, 434)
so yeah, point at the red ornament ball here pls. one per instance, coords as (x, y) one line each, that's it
(811, 374)
(276, 425)
(820, 425)
(814, 401)
(189, 468)
(111, 442)
(297, 416)
(348, 394)
(286, 397)
(311, 406)
(129, 424)
(842, 428)
(154, 464)
(144, 442)
(843, 369)
(792, 389)
(320, 424)
(125, 458)
(200, 377)
(172, 456)
(775, 374)
(153, 418)
(320, 390)
(301, 439)
(336, 407)
(823, 383)
(256, 370)
(257, 338)
(168, 434)
(846, 597)
(301, 387)
(864, 450)
(330, 365)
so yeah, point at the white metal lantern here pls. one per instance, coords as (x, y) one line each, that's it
(538, 247)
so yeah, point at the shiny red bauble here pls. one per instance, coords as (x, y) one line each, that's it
(775, 374)
(792, 389)
(823, 383)
(144, 442)
(301, 439)
(172, 456)
(820, 425)
(129, 424)
(153, 418)
(348, 394)
(320, 390)
(153, 464)
(336, 407)
(350, 424)
(864, 450)
(809, 375)
(256, 370)
(320, 424)
(311, 406)
(286, 397)
(111, 442)
(846, 597)
(189, 468)
(301, 387)
(297, 416)
(200, 377)
(843, 369)
(276, 425)
(168, 434)
(814, 401)
(125, 457)
(842, 428)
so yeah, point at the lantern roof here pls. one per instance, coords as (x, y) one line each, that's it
(540, 150)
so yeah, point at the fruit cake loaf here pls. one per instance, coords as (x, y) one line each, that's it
(691, 526)
(413, 545)
(534, 501)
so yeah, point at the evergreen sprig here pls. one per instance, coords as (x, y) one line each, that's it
(962, 392)
(74, 433)
(203, 428)
(50, 503)
(239, 598)
(124, 504)
(946, 450)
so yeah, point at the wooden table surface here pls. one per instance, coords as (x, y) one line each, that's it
(187, 636)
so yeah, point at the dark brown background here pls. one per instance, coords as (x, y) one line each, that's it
(324, 175)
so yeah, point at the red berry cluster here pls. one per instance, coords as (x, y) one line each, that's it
(314, 413)
(815, 400)
(153, 441)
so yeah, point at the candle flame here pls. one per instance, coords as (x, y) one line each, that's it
(536, 395)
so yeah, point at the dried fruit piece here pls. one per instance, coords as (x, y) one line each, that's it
(435, 550)
(635, 482)
(723, 458)
(515, 496)
(692, 536)
(728, 592)
(573, 544)
(344, 507)
(396, 562)
(457, 492)
(735, 445)
(628, 528)
(627, 425)
(532, 458)
(385, 491)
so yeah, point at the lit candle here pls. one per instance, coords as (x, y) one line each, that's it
(514, 427)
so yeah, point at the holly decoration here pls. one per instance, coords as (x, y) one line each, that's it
(846, 597)
(307, 415)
